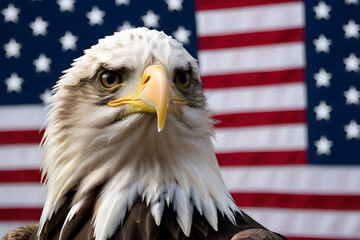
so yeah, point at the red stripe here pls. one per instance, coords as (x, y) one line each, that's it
(260, 118)
(216, 4)
(21, 137)
(20, 214)
(261, 158)
(323, 202)
(16, 176)
(253, 79)
(251, 39)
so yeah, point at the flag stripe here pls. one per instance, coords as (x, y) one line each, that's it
(261, 158)
(246, 19)
(309, 223)
(22, 117)
(18, 176)
(251, 39)
(290, 137)
(328, 202)
(296, 180)
(228, 120)
(21, 137)
(33, 195)
(20, 214)
(215, 4)
(259, 118)
(303, 179)
(242, 199)
(270, 57)
(20, 156)
(280, 97)
(28, 156)
(239, 95)
(252, 78)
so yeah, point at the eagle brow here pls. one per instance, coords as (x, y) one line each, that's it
(186, 68)
(106, 67)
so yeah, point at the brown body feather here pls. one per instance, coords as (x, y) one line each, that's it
(139, 224)
(27, 232)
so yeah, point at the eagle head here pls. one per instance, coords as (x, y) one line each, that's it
(130, 118)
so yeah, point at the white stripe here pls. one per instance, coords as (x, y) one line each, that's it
(246, 19)
(27, 156)
(257, 99)
(22, 195)
(22, 117)
(261, 138)
(270, 57)
(309, 223)
(338, 180)
(298, 179)
(6, 227)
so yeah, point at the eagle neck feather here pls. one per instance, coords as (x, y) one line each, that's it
(176, 167)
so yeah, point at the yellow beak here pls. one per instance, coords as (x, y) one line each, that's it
(154, 94)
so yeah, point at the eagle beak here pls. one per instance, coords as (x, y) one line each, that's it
(154, 94)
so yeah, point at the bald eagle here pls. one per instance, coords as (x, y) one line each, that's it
(128, 151)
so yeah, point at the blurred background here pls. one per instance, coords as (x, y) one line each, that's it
(281, 76)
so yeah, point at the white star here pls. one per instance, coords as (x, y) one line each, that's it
(46, 96)
(66, 5)
(352, 96)
(42, 64)
(14, 83)
(352, 63)
(322, 44)
(352, 130)
(121, 2)
(348, 2)
(126, 25)
(322, 111)
(322, 78)
(174, 5)
(39, 26)
(12, 48)
(68, 41)
(322, 10)
(182, 35)
(11, 13)
(351, 29)
(151, 19)
(95, 16)
(323, 146)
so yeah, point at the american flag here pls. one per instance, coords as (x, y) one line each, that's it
(281, 76)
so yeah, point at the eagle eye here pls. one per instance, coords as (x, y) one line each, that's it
(183, 80)
(110, 79)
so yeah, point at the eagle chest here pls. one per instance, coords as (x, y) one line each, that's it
(139, 224)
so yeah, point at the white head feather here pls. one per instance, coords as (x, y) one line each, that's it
(85, 145)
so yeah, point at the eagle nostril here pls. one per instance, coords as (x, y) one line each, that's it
(147, 80)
